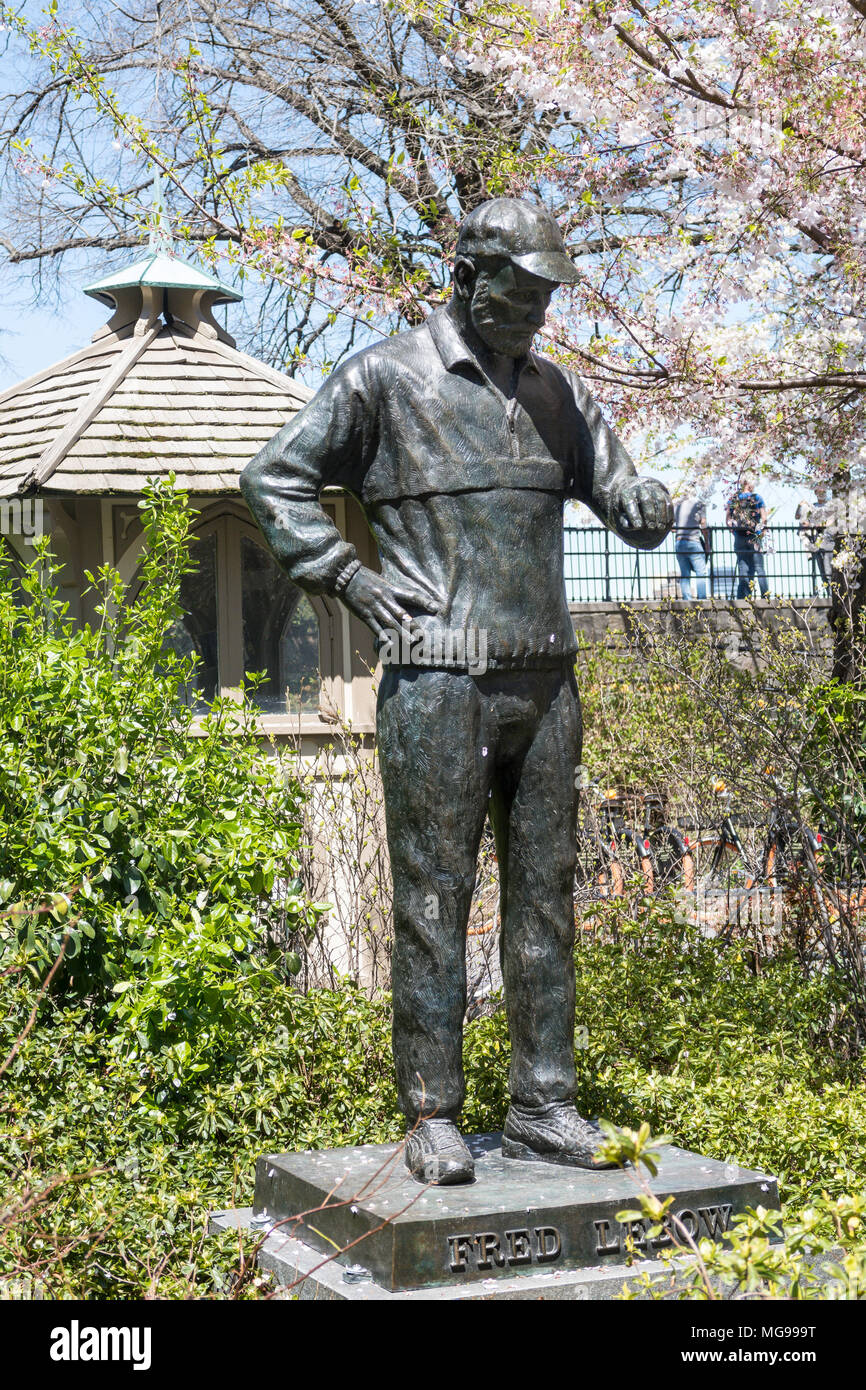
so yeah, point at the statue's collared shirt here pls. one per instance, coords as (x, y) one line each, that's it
(463, 488)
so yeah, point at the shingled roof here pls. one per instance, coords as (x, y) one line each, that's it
(161, 388)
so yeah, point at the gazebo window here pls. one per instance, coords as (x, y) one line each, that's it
(196, 632)
(281, 634)
(242, 614)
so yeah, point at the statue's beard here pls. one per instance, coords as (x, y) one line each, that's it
(507, 340)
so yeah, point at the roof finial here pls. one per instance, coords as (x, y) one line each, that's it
(159, 239)
(159, 283)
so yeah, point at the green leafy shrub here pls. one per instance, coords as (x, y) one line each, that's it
(677, 1031)
(162, 864)
(682, 1033)
(770, 737)
(153, 850)
(134, 1153)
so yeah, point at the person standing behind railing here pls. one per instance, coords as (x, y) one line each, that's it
(746, 516)
(692, 544)
(818, 532)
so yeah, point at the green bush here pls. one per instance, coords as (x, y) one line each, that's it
(770, 738)
(682, 1033)
(144, 1151)
(153, 852)
(678, 1031)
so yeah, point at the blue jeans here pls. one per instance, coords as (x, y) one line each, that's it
(692, 560)
(750, 563)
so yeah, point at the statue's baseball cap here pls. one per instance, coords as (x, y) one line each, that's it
(524, 233)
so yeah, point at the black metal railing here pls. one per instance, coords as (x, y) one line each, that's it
(599, 568)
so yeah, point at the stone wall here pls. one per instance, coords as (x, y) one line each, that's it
(732, 620)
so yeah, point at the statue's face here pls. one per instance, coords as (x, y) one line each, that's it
(508, 308)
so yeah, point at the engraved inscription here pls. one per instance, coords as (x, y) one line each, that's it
(487, 1250)
(462, 1249)
(549, 1244)
(690, 1221)
(519, 1248)
(611, 1237)
(716, 1219)
(604, 1244)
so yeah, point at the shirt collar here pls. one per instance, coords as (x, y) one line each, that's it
(453, 348)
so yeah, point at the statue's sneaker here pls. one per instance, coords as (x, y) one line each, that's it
(435, 1153)
(552, 1134)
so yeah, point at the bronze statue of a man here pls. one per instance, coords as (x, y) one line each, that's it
(462, 446)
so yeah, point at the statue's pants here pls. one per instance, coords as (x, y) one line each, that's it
(454, 747)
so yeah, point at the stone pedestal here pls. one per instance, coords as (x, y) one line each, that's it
(518, 1222)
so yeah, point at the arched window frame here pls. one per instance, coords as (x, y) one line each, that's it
(229, 521)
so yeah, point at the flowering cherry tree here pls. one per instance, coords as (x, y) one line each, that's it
(708, 161)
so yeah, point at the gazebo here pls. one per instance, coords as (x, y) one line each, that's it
(162, 388)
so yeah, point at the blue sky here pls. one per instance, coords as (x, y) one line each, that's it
(34, 338)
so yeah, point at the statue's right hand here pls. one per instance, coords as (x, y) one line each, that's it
(384, 606)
